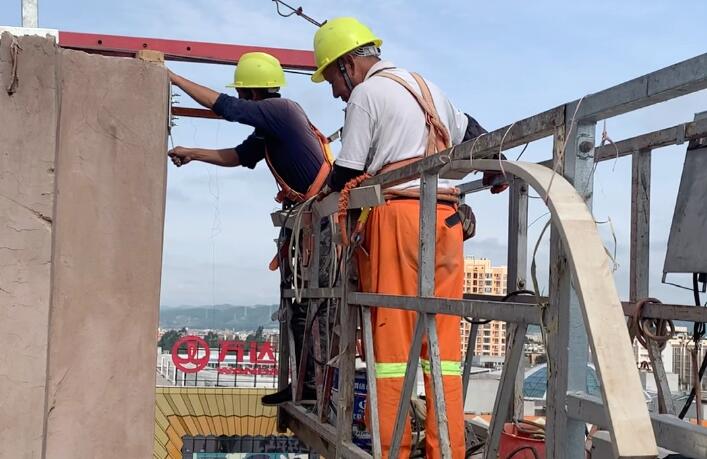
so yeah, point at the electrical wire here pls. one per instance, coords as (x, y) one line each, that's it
(522, 151)
(698, 329)
(298, 11)
(698, 333)
(298, 72)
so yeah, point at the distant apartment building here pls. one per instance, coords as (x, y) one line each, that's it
(677, 357)
(482, 278)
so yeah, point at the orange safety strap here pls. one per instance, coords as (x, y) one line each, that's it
(286, 192)
(438, 136)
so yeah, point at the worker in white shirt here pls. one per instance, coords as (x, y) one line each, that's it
(393, 118)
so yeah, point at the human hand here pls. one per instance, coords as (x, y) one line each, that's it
(496, 180)
(172, 76)
(180, 155)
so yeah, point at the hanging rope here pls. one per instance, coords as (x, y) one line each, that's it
(606, 139)
(295, 256)
(15, 50)
(657, 330)
(344, 205)
(500, 149)
(298, 11)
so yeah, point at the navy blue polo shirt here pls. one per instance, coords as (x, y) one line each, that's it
(282, 125)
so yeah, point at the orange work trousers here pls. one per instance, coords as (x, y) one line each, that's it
(388, 264)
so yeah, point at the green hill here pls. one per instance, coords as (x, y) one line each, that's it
(221, 317)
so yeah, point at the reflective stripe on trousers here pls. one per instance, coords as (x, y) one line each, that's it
(397, 370)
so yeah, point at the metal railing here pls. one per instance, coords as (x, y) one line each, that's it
(582, 295)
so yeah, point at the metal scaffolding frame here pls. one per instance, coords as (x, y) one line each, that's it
(627, 428)
(627, 432)
(570, 408)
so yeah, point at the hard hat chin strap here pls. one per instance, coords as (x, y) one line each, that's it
(345, 74)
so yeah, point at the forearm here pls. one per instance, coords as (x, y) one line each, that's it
(226, 157)
(203, 95)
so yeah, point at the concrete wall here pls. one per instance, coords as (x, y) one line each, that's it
(28, 123)
(83, 227)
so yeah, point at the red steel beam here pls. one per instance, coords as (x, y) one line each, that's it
(194, 112)
(180, 50)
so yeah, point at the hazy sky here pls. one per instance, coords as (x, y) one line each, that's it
(500, 61)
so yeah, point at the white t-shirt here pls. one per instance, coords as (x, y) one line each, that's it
(384, 123)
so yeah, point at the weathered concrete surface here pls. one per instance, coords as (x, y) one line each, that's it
(79, 378)
(28, 121)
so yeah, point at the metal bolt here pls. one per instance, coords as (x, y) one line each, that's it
(586, 146)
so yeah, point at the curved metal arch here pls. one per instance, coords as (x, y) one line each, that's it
(626, 410)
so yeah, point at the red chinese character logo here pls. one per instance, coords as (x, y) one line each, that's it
(192, 363)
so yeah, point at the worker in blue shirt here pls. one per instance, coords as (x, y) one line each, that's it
(296, 153)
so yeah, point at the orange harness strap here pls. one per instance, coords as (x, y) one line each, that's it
(286, 192)
(438, 136)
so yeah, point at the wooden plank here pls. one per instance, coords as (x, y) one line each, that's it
(193, 112)
(497, 310)
(149, 55)
(504, 395)
(591, 268)
(670, 432)
(371, 379)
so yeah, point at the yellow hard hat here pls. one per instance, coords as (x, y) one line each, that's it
(337, 37)
(258, 70)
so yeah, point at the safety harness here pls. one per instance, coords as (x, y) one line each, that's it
(285, 191)
(438, 139)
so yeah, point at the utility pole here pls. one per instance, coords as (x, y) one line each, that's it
(29, 13)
